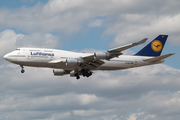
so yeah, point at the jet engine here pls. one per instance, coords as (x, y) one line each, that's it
(102, 55)
(73, 62)
(59, 72)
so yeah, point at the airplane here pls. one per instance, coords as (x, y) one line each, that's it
(77, 64)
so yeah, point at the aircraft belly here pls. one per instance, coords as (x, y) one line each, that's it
(45, 64)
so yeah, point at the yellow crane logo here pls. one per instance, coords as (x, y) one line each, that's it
(156, 46)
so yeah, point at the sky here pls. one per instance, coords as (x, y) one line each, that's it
(145, 93)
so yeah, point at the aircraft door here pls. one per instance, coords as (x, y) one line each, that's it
(51, 57)
(28, 56)
(135, 62)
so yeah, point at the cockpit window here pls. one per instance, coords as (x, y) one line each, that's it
(18, 49)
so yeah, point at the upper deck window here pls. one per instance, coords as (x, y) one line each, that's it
(18, 49)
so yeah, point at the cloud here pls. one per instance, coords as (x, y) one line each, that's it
(38, 40)
(126, 20)
(143, 93)
(91, 112)
(9, 40)
(60, 116)
(132, 117)
(45, 18)
(132, 27)
(96, 23)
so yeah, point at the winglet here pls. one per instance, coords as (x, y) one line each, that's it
(142, 41)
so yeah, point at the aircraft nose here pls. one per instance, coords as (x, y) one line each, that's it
(6, 57)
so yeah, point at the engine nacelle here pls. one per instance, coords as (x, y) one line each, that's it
(59, 72)
(102, 55)
(73, 62)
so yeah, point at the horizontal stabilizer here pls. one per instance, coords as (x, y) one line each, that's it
(159, 58)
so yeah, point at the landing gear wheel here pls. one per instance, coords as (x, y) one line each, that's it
(86, 72)
(77, 77)
(22, 71)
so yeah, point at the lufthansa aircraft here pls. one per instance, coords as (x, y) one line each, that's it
(76, 64)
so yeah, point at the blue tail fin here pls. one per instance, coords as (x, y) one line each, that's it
(154, 48)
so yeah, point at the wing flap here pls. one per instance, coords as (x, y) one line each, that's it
(94, 64)
(159, 57)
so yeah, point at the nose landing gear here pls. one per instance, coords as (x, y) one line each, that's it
(22, 70)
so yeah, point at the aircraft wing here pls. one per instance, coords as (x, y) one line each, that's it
(117, 51)
(92, 62)
(122, 48)
(159, 58)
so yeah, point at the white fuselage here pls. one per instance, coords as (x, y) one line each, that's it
(38, 57)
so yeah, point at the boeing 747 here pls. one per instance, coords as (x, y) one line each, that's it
(77, 64)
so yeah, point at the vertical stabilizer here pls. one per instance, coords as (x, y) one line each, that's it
(154, 48)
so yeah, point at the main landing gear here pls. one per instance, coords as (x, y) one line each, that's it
(77, 76)
(84, 72)
(22, 69)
